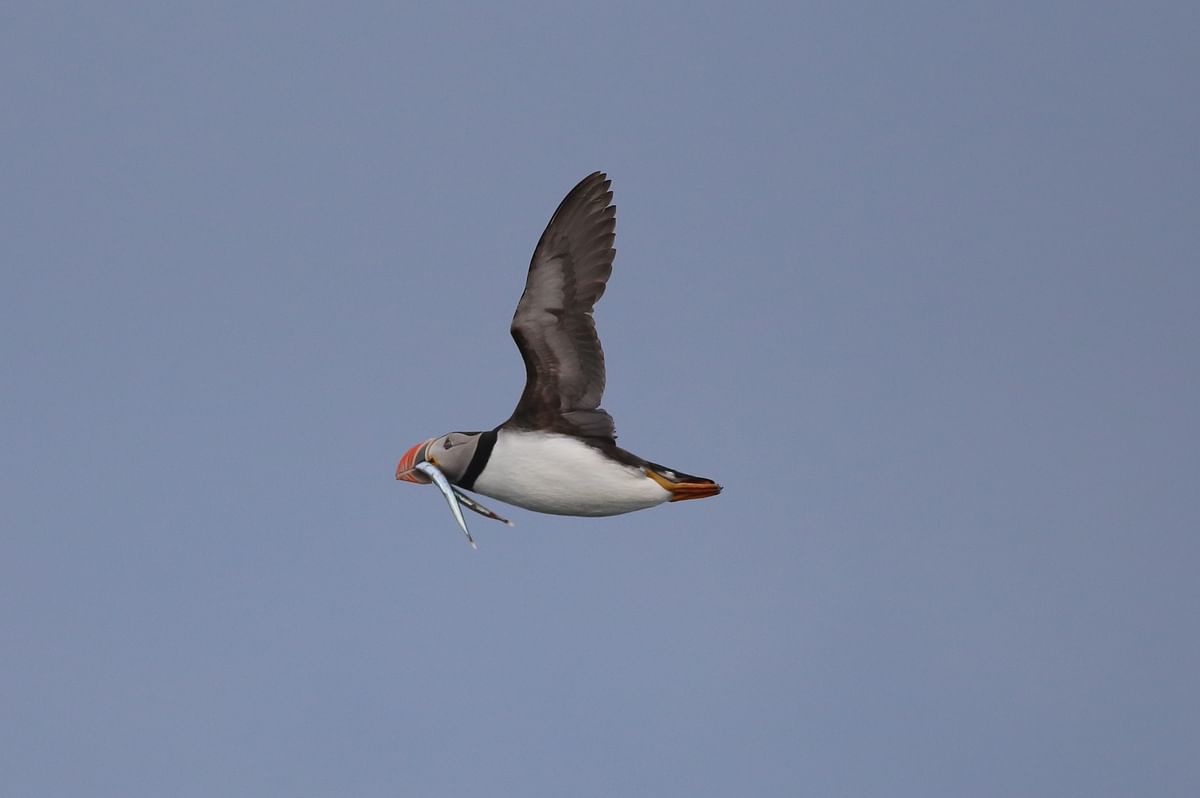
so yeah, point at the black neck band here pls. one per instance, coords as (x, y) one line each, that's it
(483, 451)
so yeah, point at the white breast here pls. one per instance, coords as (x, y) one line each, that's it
(552, 473)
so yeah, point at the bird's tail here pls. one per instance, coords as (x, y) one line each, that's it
(682, 486)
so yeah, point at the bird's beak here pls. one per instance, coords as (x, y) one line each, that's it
(405, 469)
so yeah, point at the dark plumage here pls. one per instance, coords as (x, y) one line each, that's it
(553, 324)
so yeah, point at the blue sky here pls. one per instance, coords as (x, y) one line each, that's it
(917, 284)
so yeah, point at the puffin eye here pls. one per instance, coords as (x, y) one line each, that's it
(446, 445)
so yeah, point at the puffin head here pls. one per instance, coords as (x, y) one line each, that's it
(451, 453)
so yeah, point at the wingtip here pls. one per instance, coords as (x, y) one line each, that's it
(597, 177)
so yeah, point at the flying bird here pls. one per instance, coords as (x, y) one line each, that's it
(557, 452)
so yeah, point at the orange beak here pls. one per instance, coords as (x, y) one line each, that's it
(404, 469)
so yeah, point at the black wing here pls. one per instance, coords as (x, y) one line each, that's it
(553, 326)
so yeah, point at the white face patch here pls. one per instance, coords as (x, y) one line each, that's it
(453, 459)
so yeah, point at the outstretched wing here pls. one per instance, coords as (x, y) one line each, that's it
(553, 325)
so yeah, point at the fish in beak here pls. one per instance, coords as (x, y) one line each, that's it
(414, 466)
(432, 474)
(406, 469)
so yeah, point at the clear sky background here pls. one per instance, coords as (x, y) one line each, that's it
(916, 282)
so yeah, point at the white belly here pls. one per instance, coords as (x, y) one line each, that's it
(551, 473)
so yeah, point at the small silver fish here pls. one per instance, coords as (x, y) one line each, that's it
(471, 504)
(439, 479)
(454, 496)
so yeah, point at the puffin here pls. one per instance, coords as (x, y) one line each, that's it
(557, 452)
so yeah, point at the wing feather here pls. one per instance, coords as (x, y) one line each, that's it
(553, 324)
